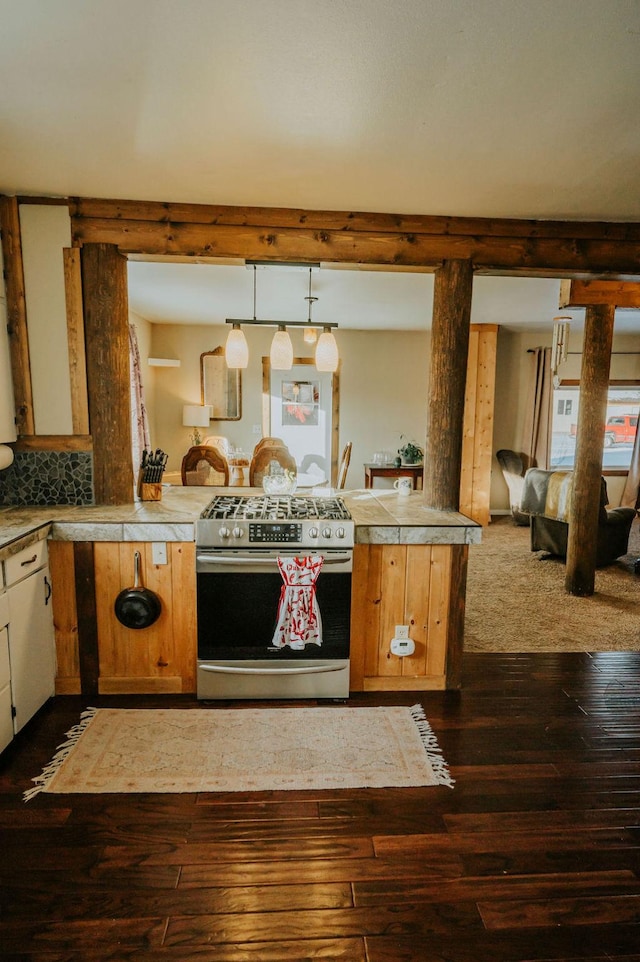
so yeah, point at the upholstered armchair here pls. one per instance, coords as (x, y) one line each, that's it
(513, 472)
(546, 497)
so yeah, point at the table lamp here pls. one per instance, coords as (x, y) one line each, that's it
(196, 416)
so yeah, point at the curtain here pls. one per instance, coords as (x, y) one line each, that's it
(631, 493)
(536, 432)
(140, 438)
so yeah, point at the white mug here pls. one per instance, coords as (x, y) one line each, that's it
(403, 485)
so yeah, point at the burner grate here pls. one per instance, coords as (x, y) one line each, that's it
(276, 508)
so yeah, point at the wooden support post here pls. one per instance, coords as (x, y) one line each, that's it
(448, 373)
(106, 325)
(585, 500)
(75, 336)
(17, 314)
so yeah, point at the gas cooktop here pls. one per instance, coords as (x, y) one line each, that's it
(231, 521)
(275, 508)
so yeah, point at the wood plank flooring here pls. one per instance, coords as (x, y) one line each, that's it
(533, 855)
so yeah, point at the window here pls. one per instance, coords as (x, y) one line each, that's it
(619, 430)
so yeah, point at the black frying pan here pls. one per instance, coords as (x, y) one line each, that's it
(137, 607)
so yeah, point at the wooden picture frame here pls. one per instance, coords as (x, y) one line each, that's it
(221, 386)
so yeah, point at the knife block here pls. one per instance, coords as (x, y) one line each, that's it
(149, 492)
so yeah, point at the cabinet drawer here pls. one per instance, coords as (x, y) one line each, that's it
(19, 565)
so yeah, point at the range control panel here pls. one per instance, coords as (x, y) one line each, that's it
(284, 532)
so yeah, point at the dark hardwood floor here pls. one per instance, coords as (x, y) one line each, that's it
(533, 855)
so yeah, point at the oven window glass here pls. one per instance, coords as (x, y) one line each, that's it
(238, 613)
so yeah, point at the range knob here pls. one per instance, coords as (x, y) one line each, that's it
(238, 532)
(327, 532)
(224, 532)
(313, 532)
(340, 532)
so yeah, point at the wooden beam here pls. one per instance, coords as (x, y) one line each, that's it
(54, 442)
(87, 208)
(456, 615)
(85, 592)
(447, 381)
(277, 234)
(585, 497)
(106, 322)
(16, 314)
(615, 293)
(75, 340)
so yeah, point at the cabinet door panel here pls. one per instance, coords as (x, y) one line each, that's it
(31, 645)
(6, 721)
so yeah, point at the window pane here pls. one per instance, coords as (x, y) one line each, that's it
(620, 428)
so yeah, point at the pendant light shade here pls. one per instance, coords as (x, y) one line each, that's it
(236, 351)
(310, 335)
(281, 350)
(327, 352)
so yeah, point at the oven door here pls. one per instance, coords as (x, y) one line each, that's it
(238, 601)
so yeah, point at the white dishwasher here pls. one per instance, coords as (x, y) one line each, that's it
(32, 658)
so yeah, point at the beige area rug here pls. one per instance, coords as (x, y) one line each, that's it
(516, 600)
(248, 750)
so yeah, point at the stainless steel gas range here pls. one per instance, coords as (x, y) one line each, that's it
(274, 597)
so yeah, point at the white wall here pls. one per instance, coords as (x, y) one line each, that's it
(46, 230)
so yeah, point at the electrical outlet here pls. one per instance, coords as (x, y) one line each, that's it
(256, 429)
(402, 631)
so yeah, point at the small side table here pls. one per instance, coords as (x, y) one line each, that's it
(236, 475)
(413, 471)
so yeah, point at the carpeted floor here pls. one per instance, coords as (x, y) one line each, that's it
(516, 600)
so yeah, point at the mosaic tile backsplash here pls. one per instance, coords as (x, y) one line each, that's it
(48, 477)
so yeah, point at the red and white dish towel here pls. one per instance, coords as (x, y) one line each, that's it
(299, 621)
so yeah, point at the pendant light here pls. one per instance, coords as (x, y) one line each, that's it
(310, 333)
(236, 349)
(281, 353)
(327, 358)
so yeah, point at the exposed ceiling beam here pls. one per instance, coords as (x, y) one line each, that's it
(577, 293)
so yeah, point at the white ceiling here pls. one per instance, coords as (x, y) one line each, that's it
(499, 108)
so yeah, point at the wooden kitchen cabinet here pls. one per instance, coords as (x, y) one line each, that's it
(414, 585)
(160, 658)
(27, 650)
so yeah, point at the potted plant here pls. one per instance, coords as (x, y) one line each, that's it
(410, 452)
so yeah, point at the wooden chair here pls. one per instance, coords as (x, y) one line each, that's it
(204, 464)
(220, 442)
(266, 451)
(344, 465)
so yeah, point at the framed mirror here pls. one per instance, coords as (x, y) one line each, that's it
(221, 387)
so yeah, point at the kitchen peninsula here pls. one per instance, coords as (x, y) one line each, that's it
(409, 568)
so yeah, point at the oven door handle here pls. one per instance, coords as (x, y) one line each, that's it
(246, 560)
(309, 670)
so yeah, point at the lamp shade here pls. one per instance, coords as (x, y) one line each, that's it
(196, 415)
(281, 350)
(236, 350)
(327, 352)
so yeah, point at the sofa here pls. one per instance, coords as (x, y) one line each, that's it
(546, 497)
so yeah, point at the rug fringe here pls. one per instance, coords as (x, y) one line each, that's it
(431, 747)
(62, 752)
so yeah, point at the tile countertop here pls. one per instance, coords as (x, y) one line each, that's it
(381, 517)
